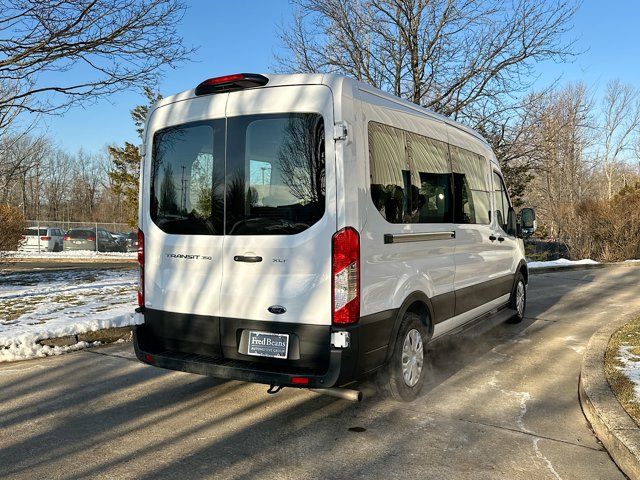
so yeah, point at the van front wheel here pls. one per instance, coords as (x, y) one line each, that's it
(403, 376)
(518, 301)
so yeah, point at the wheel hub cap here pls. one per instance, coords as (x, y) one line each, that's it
(520, 296)
(412, 357)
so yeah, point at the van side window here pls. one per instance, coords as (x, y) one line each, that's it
(275, 173)
(501, 201)
(431, 180)
(187, 174)
(390, 173)
(410, 176)
(470, 175)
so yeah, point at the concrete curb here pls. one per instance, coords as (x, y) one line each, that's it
(612, 425)
(89, 260)
(106, 335)
(588, 266)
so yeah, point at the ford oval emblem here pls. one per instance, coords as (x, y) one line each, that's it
(277, 309)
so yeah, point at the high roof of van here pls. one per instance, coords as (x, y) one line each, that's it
(339, 83)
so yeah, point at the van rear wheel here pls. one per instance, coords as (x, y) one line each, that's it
(403, 376)
(518, 301)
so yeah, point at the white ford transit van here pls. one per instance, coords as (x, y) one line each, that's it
(306, 230)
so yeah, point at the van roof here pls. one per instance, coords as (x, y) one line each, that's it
(337, 83)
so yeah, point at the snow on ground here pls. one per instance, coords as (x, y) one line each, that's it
(82, 254)
(631, 367)
(561, 262)
(49, 304)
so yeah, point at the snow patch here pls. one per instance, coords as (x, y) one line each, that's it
(561, 262)
(38, 305)
(34, 350)
(630, 367)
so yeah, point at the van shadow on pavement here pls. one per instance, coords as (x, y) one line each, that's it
(500, 402)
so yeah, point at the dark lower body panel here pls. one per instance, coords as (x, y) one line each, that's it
(209, 345)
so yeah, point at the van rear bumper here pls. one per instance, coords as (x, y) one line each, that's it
(230, 369)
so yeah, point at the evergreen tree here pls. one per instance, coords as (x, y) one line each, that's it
(126, 160)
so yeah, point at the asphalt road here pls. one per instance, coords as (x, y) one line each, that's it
(500, 403)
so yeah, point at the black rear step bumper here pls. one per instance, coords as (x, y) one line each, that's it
(231, 369)
(208, 345)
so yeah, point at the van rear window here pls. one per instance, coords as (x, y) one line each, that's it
(187, 179)
(270, 182)
(275, 174)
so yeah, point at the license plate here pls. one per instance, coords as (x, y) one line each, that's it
(263, 344)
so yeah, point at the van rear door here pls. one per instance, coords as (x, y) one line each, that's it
(183, 206)
(280, 205)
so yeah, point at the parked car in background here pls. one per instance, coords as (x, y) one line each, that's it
(132, 242)
(121, 240)
(44, 239)
(85, 239)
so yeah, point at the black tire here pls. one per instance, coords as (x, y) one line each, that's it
(391, 377)
(519, 309)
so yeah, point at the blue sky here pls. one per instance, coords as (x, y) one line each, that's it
(241, 36)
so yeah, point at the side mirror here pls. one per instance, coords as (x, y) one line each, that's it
(512, 222)
(528, 222)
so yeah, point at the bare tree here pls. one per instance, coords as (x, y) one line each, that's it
(20, 155)
(108, 44)
(468, 59)
(621, 120)
(12, 225)
(124, 171)
(57, 178)
(510, 135)
(560, 132)
(453, 56)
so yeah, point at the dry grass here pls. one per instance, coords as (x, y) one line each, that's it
(622, 387)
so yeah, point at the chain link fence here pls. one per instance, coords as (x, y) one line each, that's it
(113, 227)
(51, 235)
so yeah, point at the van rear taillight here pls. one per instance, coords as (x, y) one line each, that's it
(141, 265)
(45, 238)
(229, 83)
(345, 268)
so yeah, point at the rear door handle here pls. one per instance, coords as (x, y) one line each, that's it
(501, 239)
(251, 259)
(493, 238)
